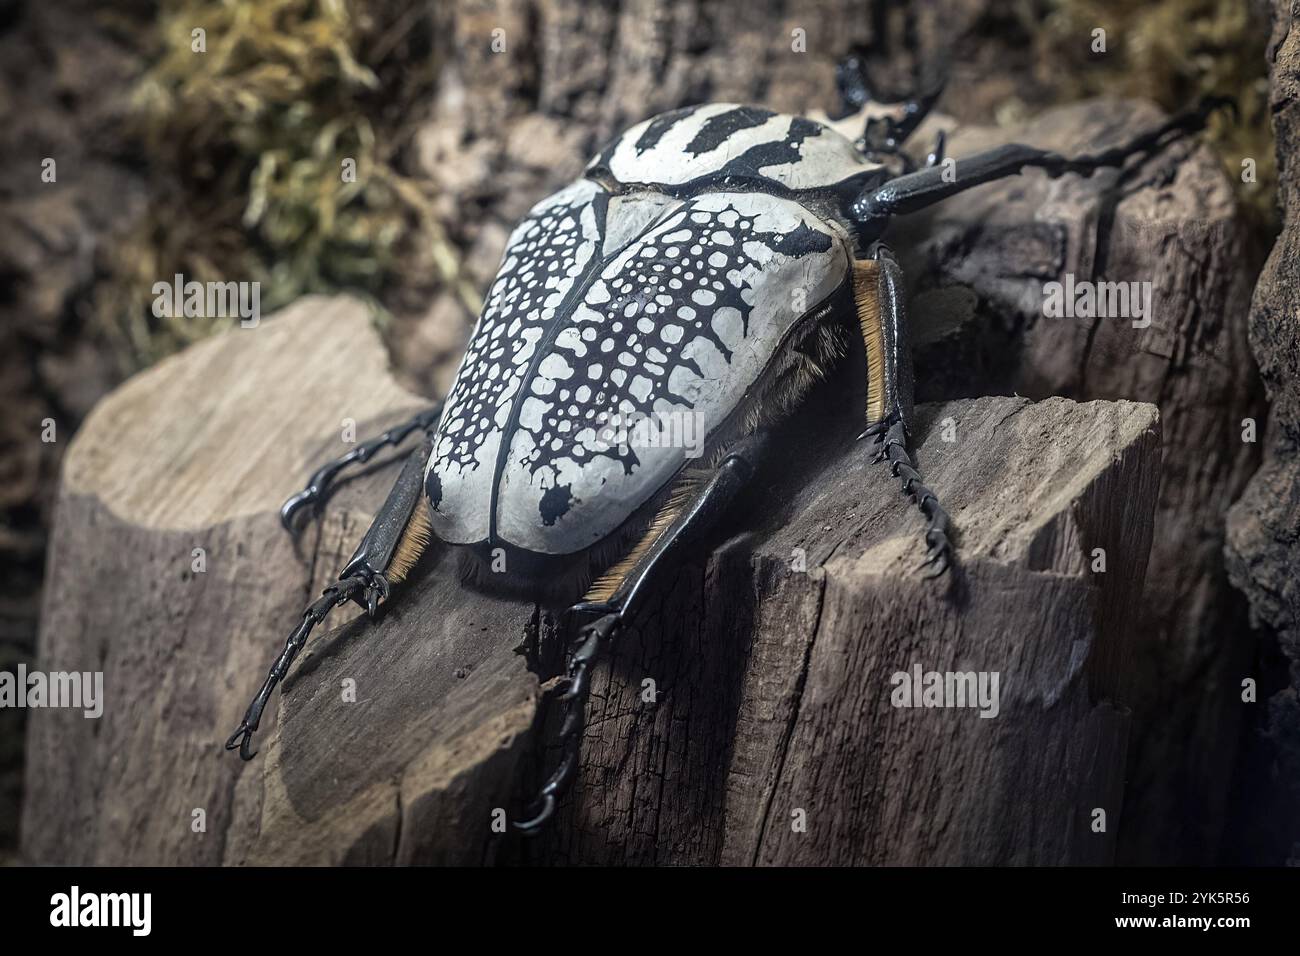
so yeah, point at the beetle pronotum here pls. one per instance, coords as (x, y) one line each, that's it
(658, 285)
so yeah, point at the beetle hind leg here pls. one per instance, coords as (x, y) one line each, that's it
(319, 484)
(593, 638)
(694, 506)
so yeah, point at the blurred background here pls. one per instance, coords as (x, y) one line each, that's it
(223, 163)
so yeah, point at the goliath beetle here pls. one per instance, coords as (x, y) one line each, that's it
(661, 283)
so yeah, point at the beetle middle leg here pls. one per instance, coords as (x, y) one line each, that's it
(693, 507)
(878, 293)
(390, 548)
(319, 483)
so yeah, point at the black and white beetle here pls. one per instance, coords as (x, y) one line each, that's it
(662, 283)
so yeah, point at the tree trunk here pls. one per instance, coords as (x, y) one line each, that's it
(1264, 526)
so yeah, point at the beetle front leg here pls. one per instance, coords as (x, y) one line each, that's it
(385, 556)
(917, 190)
(630, 585)
(318, 485)
(878, 293)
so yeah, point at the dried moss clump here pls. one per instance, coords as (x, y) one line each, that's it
(274, 131)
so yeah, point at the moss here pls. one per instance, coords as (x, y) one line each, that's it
(275, 141)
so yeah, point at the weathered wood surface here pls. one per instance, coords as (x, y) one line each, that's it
(980, 264)
(773, 683)
(1263, 545)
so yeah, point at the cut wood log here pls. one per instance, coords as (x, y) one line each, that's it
(775, 736)
(185, 464)
(770, 731)
(981, 264)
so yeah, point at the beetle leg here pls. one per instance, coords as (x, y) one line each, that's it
(878, 291)
(592, 640)
(319, 483)
(890, 440)
(693, 518)
(936, 153)
(330, 598)
(915, 191)
(889, 123)
(387, 552)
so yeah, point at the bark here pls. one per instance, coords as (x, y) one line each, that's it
(1263, 548)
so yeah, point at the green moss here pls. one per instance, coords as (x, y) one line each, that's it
(275, 153)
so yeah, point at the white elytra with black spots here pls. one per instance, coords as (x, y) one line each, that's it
(663, 299)
(544, 257)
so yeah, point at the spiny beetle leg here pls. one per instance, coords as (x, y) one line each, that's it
(318, 485)
(386, 553)
(594, 637)
(890, 441)
(692, 522)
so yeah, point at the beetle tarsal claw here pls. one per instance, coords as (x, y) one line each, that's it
(533, 825)
(296, 503)
(240, 739)
(376, 592)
